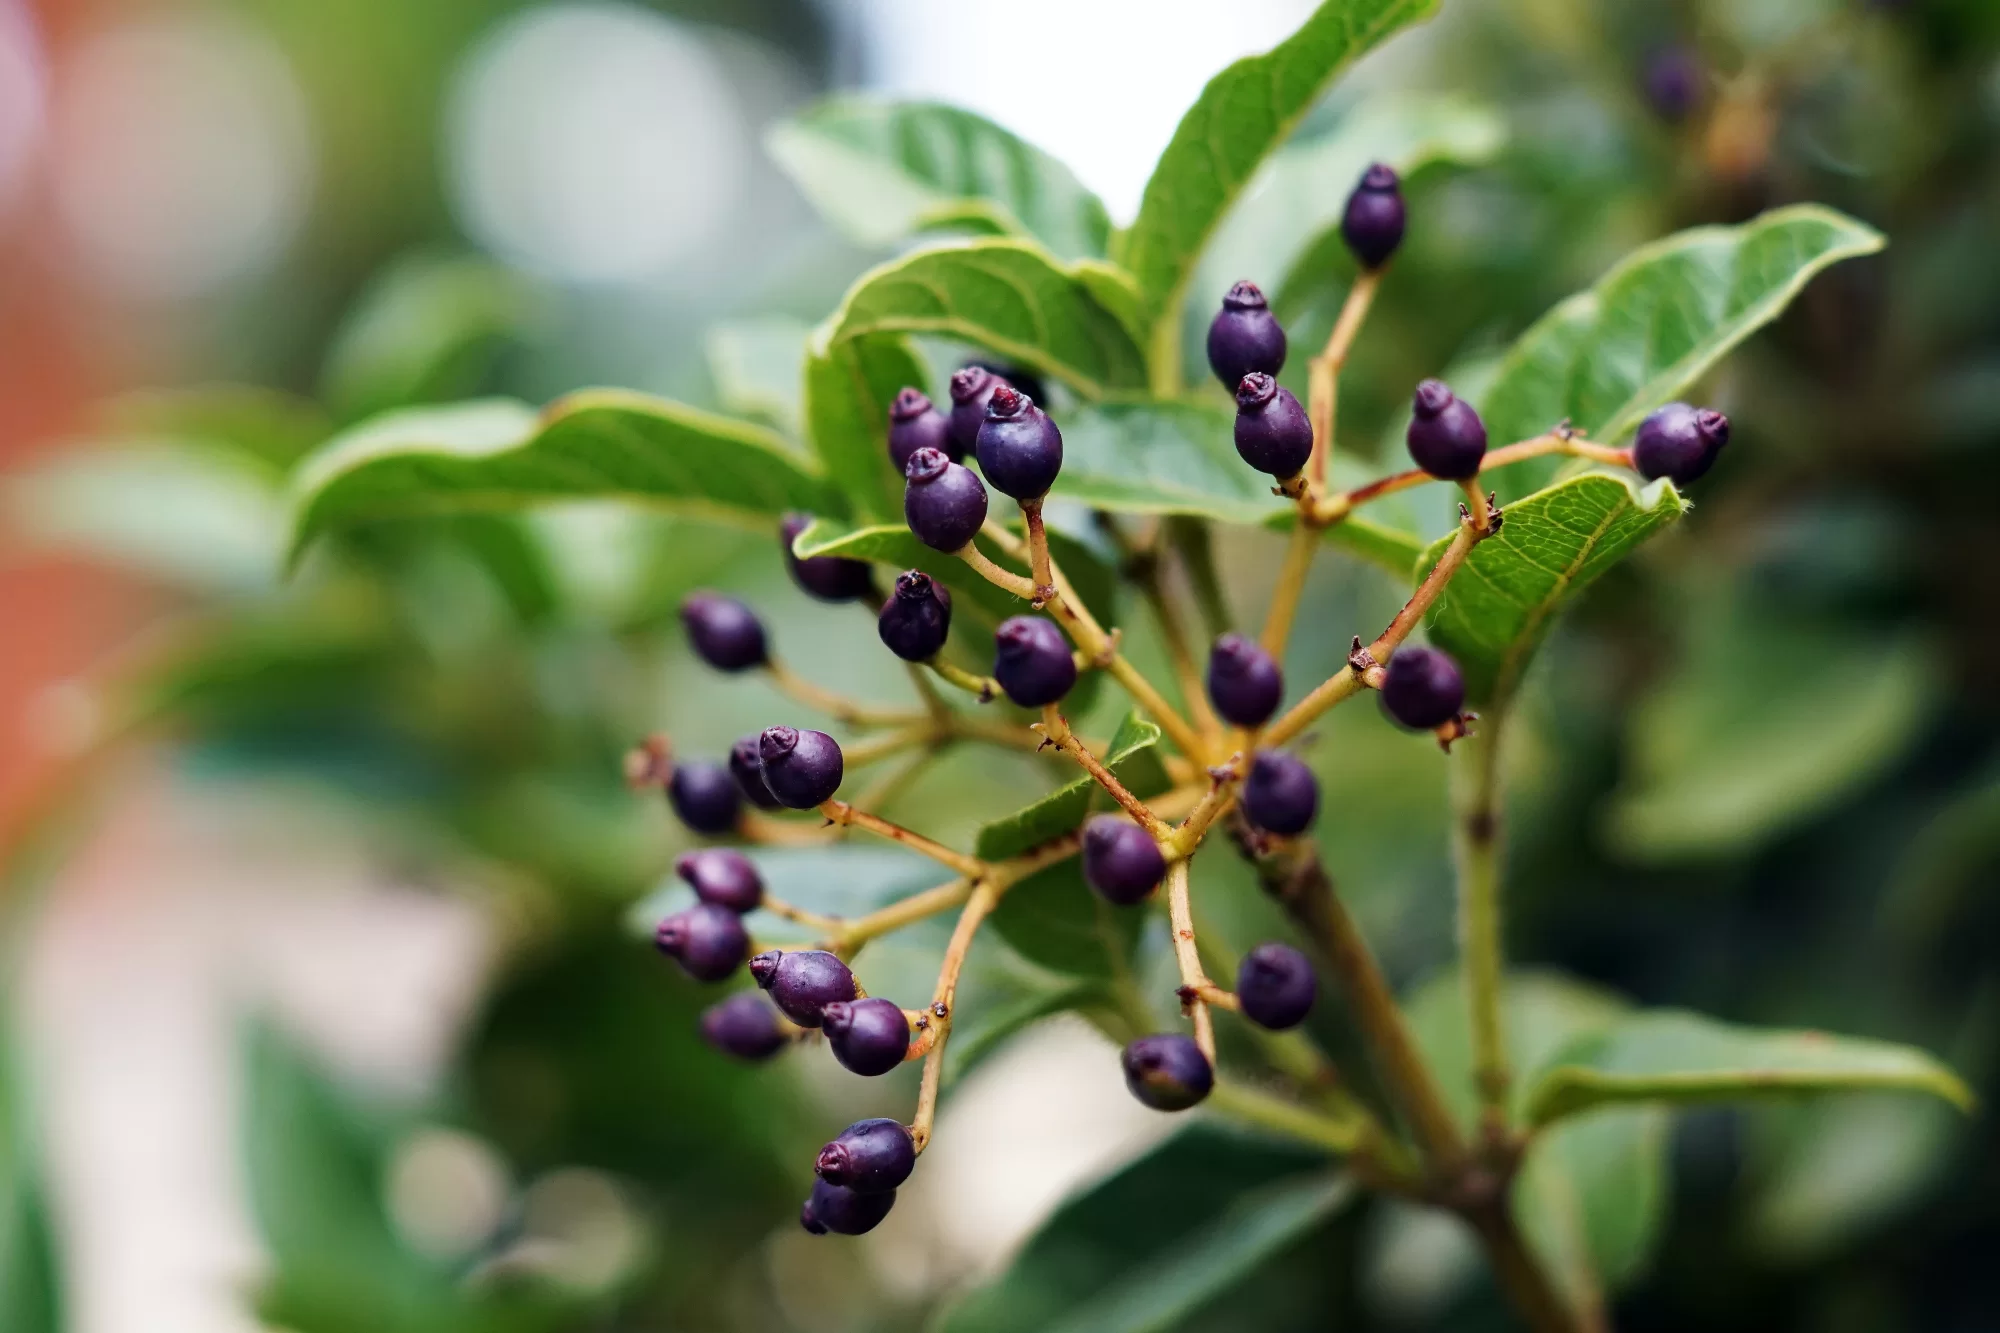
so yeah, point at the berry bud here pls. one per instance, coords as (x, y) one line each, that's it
(802, 982)
(1245, 337)
(1273, 433)
(1244, 683)
(917, 617)
(704, 796)
(725, 633)
(1275, 986)
(944, 503)
(1281, 795)
(868, 1036)
(1020, 449)
(802, 768)
(1120, 860)
(1422, 688)
(723, 876)
(1680, 442)
(707, 941)
(745, 1026)
(746, 765)
(1032, 661)
(971, 387)
(846, 1211)
(830, 578)
(1673, 82)
(1373, 223)
(1446, 437)
(869, 1157)
(914, 423)
(1167, 1071)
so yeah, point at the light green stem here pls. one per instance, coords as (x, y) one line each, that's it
(1475, 781)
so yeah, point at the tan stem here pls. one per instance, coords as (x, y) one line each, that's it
(835, 705)
(943, 1000)
(1056, 728)
(845, 815)
(1039, 564)
(1180, 919)
(1323, 372)
(1476, 845)
(1290, 586)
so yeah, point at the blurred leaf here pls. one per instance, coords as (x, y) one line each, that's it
(882, 171)
(1131, 758)
(1842, 1167)
(985, 1029)
(30, 1278)
(895, 546)
(758, 369)
(1054, 919)
(848, 388)
(271, 429)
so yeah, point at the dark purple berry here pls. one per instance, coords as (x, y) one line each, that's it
(802, 982)
(802, 768)
(1680, 442)
(867, 1036)
(1020, 449)
(1245, 337)
(971, 387)
(725, 633)
(869, 1157)
(1446, 437)
(723, 876)
(1167, 1071)
(1373, 223)
(915, 423)
(1244, 682)
(746, 765)
(944, 503)
(917, 617)
(745, 1026)
(709, 942)
(1273, 433)
(1275, 986)
(1027, 381)
(704, 795)
(848, 1212)
(830, 578)
(1032, 661)
(1673, 82)
(1422, 688)
(1281, 795)
(1120, 860)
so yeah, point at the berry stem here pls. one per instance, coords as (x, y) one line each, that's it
(834, 705)
(1476, 505)
(1323, 373)
(1182, 840)
(1039, 564)
(847, 937)
(777, 907)
(1194, 982)
(761, 830)
(1056, 728)
(1022, 588)
(985, 895)
(1333, 508)
(1475, 844)
(1291, 584)
(1282, 1117)
(983, 688)
(845, 815)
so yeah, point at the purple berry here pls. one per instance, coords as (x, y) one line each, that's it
(745, 1026)
(1373, 223)
(915, 423)
(1244, 682)
(725, 633)
(1680, 442)
(1245, 337)
(1674, 81)
(1275, 986)
(1167, 1071)
(746, 765)
(944, 503)
(723, 876)
(1120, 860)
(869, 1157)
(1422, 688)
(1020, 449)
(1032, 661)
(1281, 795)
(830, 578)
(1446, 437)
(705, 796)
(1025, 380)
(848, 1212)
(709, 942)
(1273, 433)
(802, 982)
(802, 768)
(916, 619)
(868, 1036)
(971, 387)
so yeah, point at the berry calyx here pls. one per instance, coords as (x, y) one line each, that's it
(944, 503)
(745, 1026)
(709, 942)
(915, 423)
(746, 765)
(724, 632)
(802, 768)
(1245, 337)
(1680, 442)
(1032, 661)
(869, 1157)
(802, 982)
(1020, 449)
(705, 796)
(1375, 217)
(848, 1212)
(1275, 986)
(830, 578)
(1244, 682)
(869, 1037)
(971, 387)
(1167, 1071)
(1446, 437)
(1281, 795)
(1120, 860)
(1422, 688)
(1273, 433)
(916, 619)
(723, 876)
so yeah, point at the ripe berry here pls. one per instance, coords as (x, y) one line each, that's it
(723, 876)
(1275, 986)
(1020, 449)
(1422, 688)
(1281, 795)
(868, 1036)
(1244, 337)
(1679, 441)
(917, 617)
(869, 1157)
(1375, 217)
(971, 387)
(725, 633)
(914, 423)
(802, 768)
(830, 578)
(802, 982)
(707, 941)
(746, 765)
(944, 503)
(1032, 661)
(1167, 1071)
(849, 1212)
(1120, 860)
(745, 1026)
(704, 795)
(1446, 437)
(1244, 683)
(1273, 433)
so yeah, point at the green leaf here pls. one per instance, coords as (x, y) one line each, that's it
(30, 1278)
(758, 369)
(1131, 758)
(848, 388)
(498, 454)
(882, 171)
(1667, 1055)
(895, 546)
(273, 430)
(1552, 545)
(1008, 296)
(1831, 1171)
(1052, 918)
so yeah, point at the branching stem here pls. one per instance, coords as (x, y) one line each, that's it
(1323, 373)
(835, 705)
(1056, 728)
(845, 815)
(1180, 919)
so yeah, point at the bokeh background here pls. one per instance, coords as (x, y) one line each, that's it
(322, 1001)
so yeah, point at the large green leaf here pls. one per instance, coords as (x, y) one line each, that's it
(30, 1280)
(1009, 296)
(848, 388)
(758, 369)
(882, 171)
(1132, 758)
